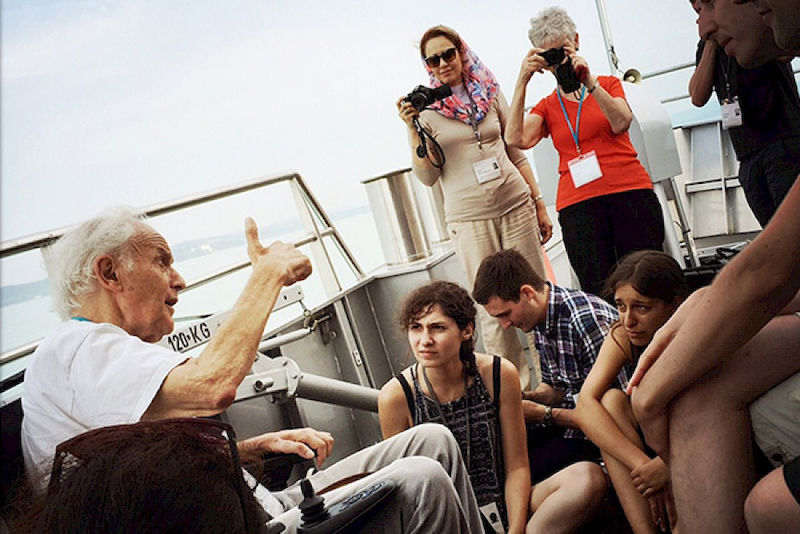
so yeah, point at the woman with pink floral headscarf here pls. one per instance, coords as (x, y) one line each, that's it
(491, 198)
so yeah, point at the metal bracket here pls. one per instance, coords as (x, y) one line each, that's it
(283, 381)
(279, 382)
(327, 333)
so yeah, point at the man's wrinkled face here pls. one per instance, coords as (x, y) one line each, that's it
(738, 29)
(149, 287)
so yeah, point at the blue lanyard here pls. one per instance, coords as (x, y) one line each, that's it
(573, 131)
(82, 319)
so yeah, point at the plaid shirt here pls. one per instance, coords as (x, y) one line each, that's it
(569, 341)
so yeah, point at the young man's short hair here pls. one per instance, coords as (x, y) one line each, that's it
(502, 275)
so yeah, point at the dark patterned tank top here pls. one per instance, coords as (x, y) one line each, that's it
(486, 469)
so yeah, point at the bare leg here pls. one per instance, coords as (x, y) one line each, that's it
(771, 507)
(566, 500)
(709, 435)
(636, 507)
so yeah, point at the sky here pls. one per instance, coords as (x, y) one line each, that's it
(138, 102)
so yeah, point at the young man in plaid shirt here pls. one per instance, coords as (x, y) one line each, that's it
(569, 327)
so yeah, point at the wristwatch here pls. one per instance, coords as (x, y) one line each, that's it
(548, 416)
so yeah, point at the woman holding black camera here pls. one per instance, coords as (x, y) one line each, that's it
(606, 204)
(491, 198)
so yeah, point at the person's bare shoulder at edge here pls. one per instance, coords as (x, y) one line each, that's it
(393, 408)
(485, 364)
(392, 386)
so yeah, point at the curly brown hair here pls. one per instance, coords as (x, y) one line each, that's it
(455, 303)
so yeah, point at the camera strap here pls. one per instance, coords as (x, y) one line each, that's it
(573, 131)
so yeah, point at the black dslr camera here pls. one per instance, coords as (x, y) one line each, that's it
(423, 96)
(554, 56)
(564, 72)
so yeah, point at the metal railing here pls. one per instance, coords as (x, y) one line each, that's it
(317, 226)
(676, 68)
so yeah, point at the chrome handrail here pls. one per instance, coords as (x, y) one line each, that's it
(43, 239)
(676, 68)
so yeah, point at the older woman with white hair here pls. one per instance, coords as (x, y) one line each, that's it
(605, 202)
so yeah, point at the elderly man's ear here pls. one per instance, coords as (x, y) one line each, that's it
(105, 271)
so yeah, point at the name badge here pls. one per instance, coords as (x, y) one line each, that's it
(731, 114)
(584, 169)
(486, 170)
(492, 515)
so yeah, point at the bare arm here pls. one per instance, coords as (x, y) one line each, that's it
(393, 409)
(594, 420)
(747, 293)
(702, 81)
(521, 162)
(615, 109)
(535, 413)
(206, 385)
(524, 131)
(515, 451)
(535, 403)
(543, 218)
(544, 394)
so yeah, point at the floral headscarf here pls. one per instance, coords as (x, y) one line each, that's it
(479, 82)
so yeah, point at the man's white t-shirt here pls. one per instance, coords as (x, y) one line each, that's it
(88, 375)
(83, 376)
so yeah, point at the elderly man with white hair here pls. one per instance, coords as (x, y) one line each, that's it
(114, 284)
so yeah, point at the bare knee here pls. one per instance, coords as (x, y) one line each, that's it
(617, 404)
(587, 482)
(770, 506)
(756, 509)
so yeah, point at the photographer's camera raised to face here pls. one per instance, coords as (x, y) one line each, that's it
(555, 39)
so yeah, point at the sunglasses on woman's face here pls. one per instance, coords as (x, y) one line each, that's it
(448, 56)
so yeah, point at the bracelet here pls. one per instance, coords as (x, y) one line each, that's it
(548, 416)
(538, 197)
(593, 88)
